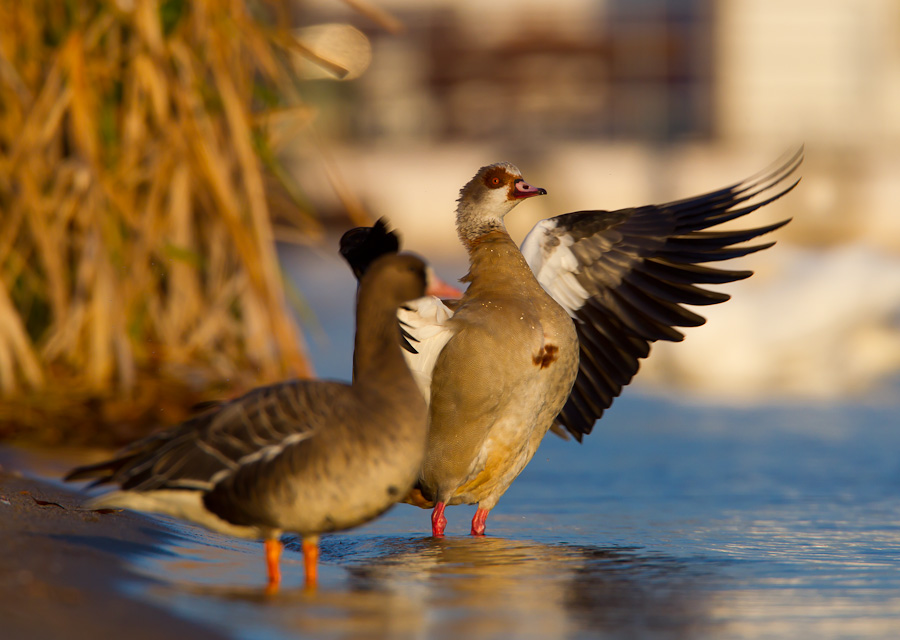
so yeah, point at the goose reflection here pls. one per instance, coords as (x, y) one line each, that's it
(495, 587)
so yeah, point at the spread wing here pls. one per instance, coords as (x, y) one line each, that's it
(624, 275)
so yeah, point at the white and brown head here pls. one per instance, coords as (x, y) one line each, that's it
(488, 197)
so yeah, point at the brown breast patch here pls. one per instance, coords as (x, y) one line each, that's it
(546, 356)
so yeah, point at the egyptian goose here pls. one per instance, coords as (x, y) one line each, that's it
(304, 456)
(546, 336)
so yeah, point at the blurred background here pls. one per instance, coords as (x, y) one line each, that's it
(619, 103)
(174, 179)
(152, 151)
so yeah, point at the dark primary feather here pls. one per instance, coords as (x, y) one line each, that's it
(640, 265)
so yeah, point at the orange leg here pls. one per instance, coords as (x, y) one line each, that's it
(273, 556)
(478, 522)
(438, 521)
(311, 560)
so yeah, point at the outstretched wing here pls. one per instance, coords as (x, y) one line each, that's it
(624, 275)
(203, 450)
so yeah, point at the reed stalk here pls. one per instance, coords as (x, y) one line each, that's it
(138, 270)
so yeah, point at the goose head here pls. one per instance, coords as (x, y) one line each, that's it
(401, 277)
(488, 197)
(361, 246)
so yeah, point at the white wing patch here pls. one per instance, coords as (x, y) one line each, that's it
(426, 320)
(554, 265)
(266, 453)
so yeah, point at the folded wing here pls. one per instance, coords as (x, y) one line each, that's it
(202, 451)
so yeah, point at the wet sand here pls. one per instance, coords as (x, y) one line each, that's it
(62, 567)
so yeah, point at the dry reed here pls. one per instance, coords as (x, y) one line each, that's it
(137, 262)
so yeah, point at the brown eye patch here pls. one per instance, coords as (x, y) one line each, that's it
(495, 178)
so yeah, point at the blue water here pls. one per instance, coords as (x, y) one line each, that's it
(672, 520)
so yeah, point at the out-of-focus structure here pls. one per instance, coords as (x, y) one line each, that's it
(616, 103)
(140, 199)
(148, 161)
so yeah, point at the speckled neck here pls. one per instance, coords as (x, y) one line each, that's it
(472, 223)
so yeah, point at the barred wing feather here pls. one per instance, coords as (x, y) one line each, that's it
(624, 275)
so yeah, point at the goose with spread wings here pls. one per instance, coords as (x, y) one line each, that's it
(546, 336)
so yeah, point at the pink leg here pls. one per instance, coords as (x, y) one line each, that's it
(478, 521)
(438, 521)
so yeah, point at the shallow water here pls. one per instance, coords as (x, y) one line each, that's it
(671, 521)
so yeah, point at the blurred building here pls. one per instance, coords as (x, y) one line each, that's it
(571, 69)
(751, 75)
(614, 103)
(657, 70)
(828, 69)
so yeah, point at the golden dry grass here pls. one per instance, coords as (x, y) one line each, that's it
(137, 262)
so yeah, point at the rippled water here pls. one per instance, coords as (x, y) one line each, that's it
(672, 521)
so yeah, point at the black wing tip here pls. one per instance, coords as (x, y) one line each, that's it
(775, 226)
(579, 432)
(100, 474)
(559, 430)
(565, 430)
(741, 198)
(777, 172)
(76, 474)
(772, 177)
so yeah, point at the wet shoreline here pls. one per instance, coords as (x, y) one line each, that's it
(673, 520)
(62, 567)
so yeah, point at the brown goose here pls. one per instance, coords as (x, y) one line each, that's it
(305, 456)
(546, 337)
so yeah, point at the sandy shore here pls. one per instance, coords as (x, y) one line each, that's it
(62, 567)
